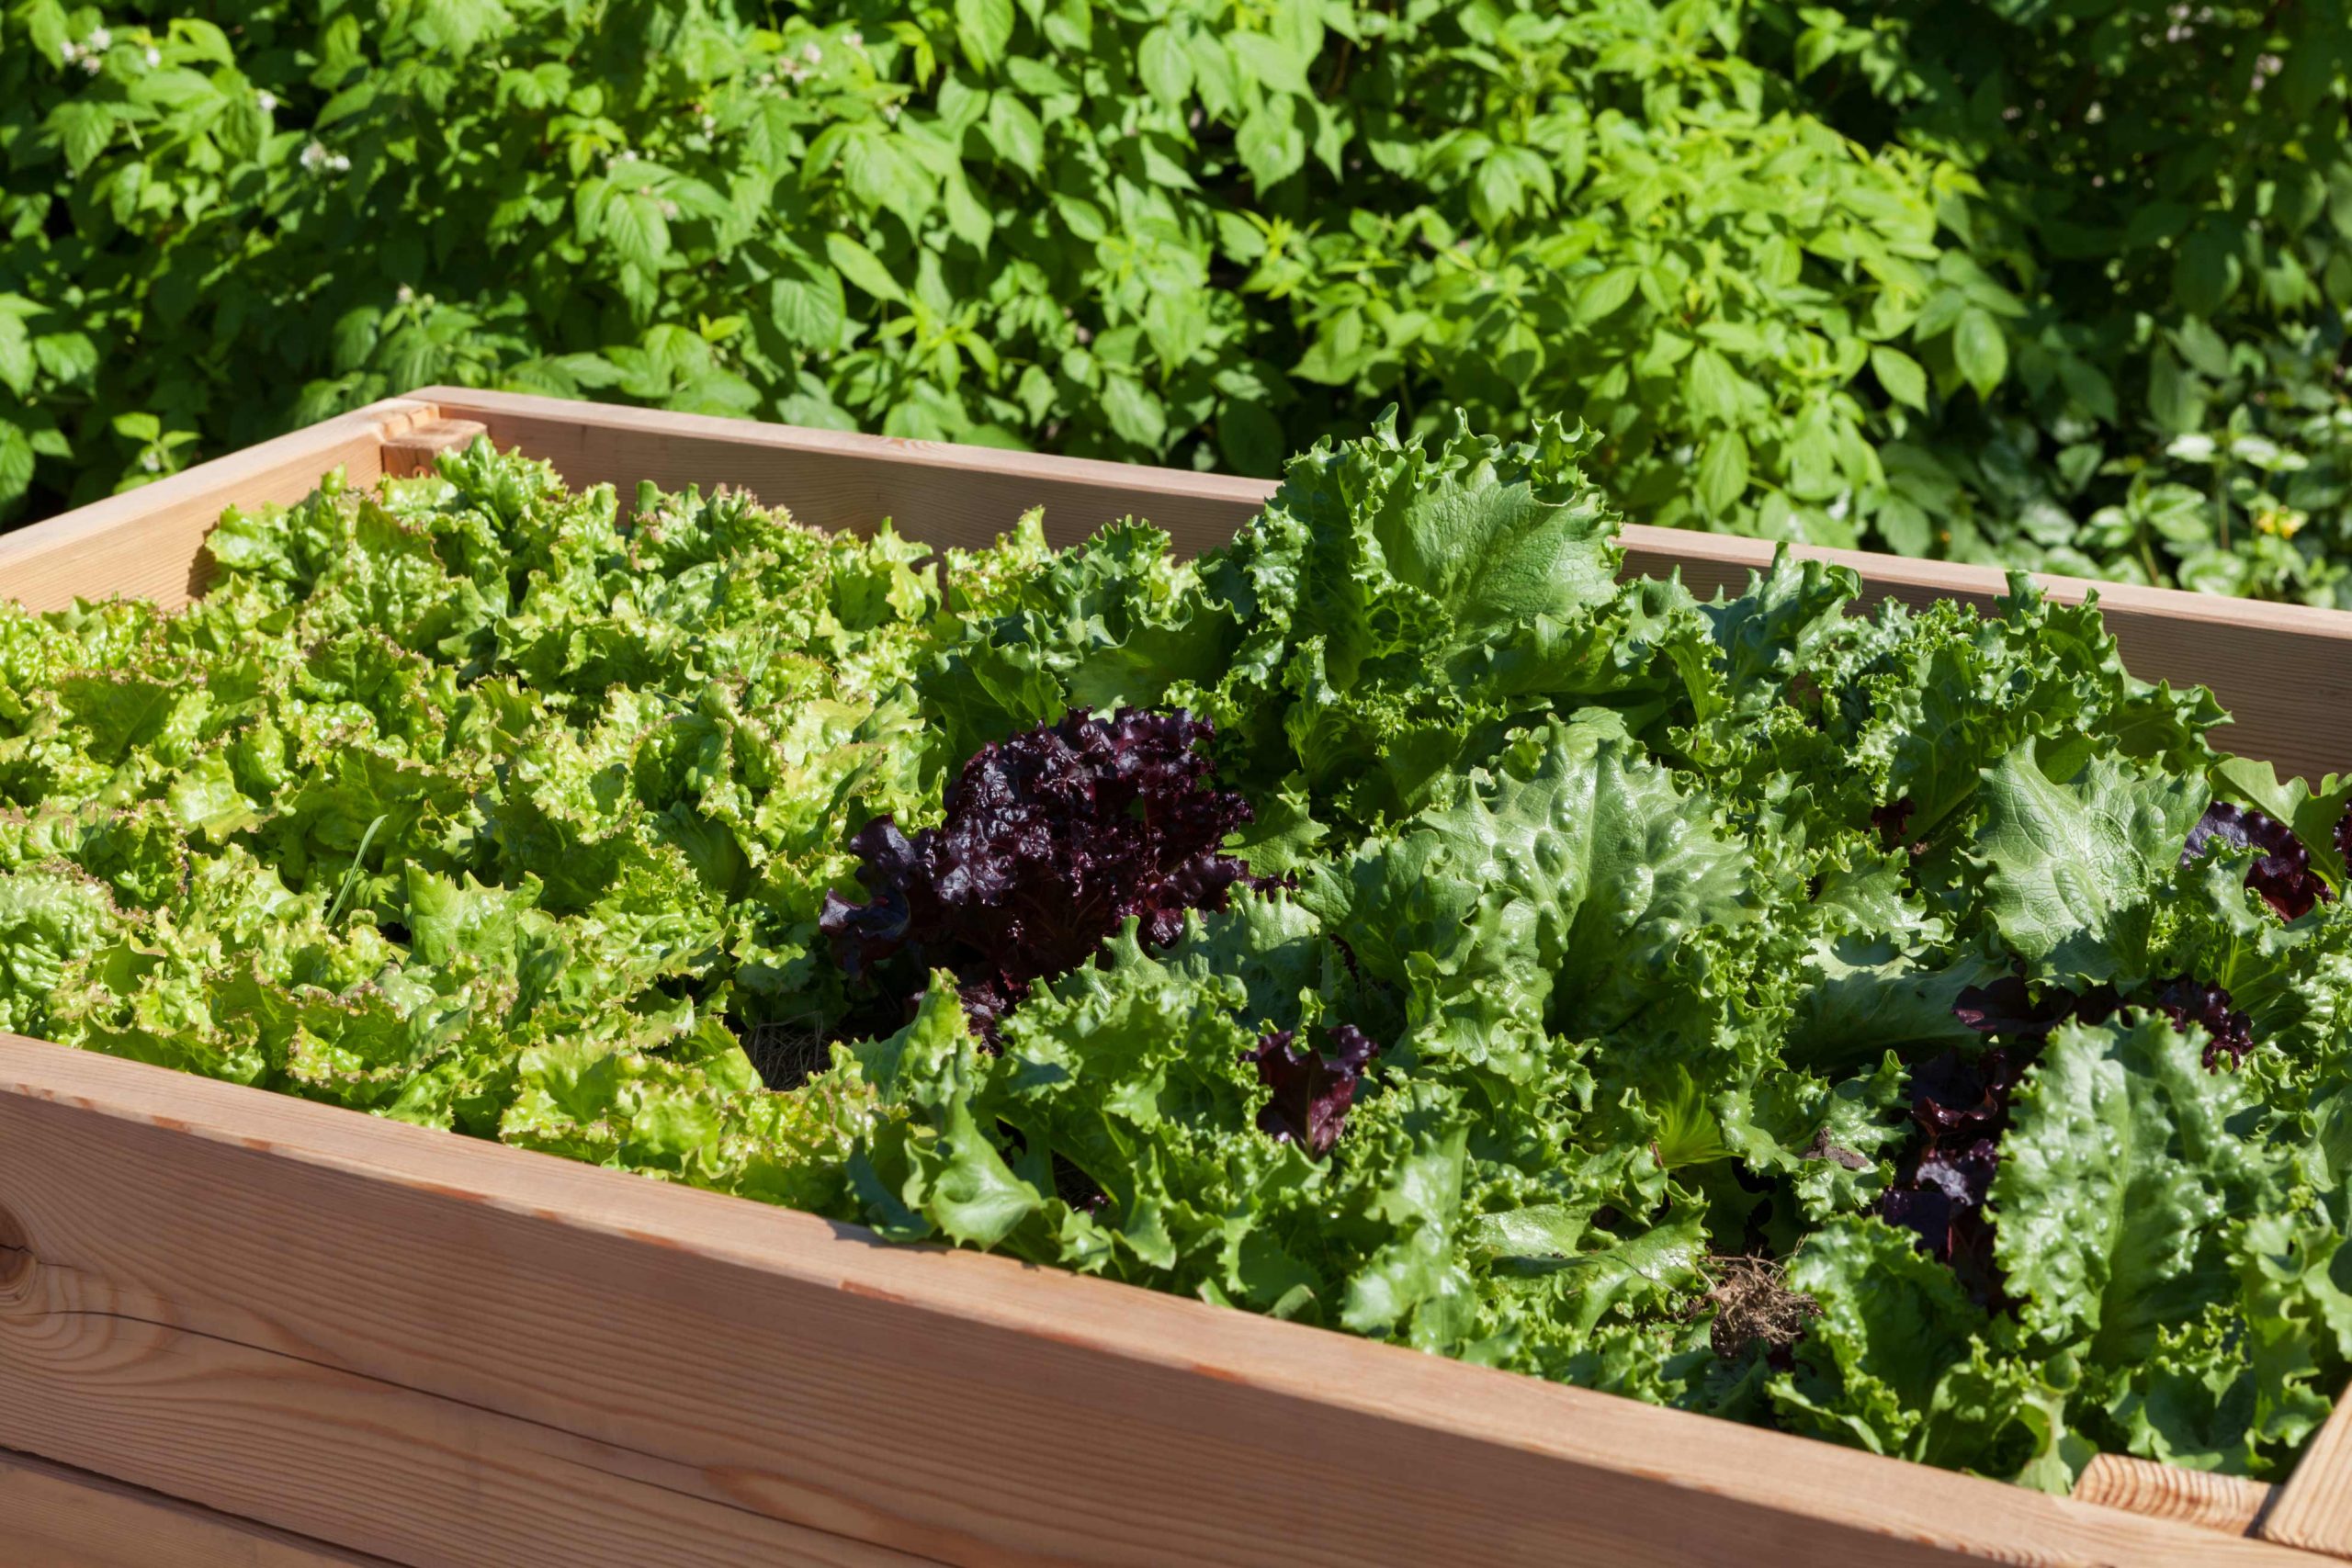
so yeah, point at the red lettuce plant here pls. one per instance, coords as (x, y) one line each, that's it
(2282, 872)
(1052, 840)
(1313, 1090)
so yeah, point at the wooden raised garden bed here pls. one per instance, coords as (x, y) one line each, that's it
(237, 1328)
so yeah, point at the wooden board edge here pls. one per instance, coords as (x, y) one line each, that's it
(2273, 665)
(52, 1516)
(2230, 1504)
(2314, 1509)
(148, 542)
(496, 409)
(1921, 578)
(1842, 1492)
(410, 452)
(225, 476)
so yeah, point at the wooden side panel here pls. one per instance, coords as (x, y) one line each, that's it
(2227, 1503)
(2314, 1509)
(446, 1351)
(148, 542)
(943, 494)
(54, 1518)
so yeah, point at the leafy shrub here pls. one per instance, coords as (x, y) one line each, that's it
(2059, 285)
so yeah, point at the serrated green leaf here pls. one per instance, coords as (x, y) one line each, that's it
(1900, 374)
(1723, 470)
(863, 267)
(1165, 67)
(1980, 350)
(984, 28)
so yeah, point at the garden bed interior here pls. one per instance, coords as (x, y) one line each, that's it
(241, 1328)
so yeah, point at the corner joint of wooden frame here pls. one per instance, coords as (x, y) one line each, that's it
(410, 452)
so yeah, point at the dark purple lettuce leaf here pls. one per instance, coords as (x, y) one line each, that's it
(2344, 837)
(1961, 1105)
(2187, 1001)
(2007, 1009)
(1052, 839)
(1313, 1090)
(1892, 822)
(2281, 873)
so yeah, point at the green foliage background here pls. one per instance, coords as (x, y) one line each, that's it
(2062, 283)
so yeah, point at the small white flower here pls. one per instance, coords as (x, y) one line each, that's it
(267, 99)
(342, 164)
(890, 113)
(313, 156)
(813, 54)
(152, 460)
(154, 55)
(92, 64)
(101, 38)
(670, 210)
(69, 51)
(854, 38)
(405, 295)
(710, 123)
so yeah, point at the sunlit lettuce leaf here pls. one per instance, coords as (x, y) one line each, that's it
(2077, 865)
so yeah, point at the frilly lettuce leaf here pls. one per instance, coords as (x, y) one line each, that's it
(2126, 1168)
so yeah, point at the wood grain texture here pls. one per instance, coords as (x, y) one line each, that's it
(446, 1352)
(410, 452)
(2314, 1508)
(51, 1516)
(149, 543)
(2228, 1503)
(2282, 669)
(941, 493)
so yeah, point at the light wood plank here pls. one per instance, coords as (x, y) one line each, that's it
(149, 543)
(2314, 1508)
(411, 451)
(2227, 1503)
(51, 1516)
(2284, 670)
(941, 493)
(316, 1319)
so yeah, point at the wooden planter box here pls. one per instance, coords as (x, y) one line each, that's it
(237, 1328)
